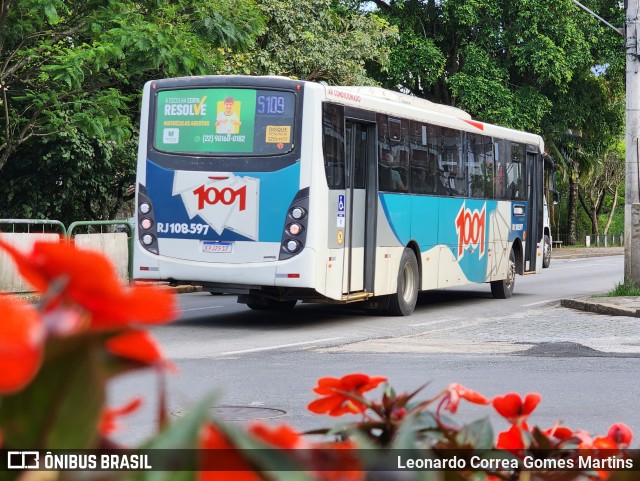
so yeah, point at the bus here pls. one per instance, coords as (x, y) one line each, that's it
(283, 191)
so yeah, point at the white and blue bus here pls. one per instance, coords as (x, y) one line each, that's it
(282, 190)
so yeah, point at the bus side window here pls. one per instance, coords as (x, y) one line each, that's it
(500, 163)
(516, 172)
(333, 144)
(385, 181)
(480, 166)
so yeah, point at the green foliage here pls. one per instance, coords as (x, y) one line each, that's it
(626, 288)
(315, 43)
(68, 179)
(505, 62)
(71, 75)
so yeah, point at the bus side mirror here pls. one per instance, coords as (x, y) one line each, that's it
(556, 197)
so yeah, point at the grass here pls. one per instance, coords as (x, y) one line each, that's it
(626, 288)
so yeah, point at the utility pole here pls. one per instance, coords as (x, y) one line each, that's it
(632, 130)
(632, 178)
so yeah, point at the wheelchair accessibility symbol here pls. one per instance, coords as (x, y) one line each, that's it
(341, 203)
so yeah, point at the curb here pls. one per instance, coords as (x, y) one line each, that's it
(179, 289)
(582, 255)
(599, 307)
(185, 289)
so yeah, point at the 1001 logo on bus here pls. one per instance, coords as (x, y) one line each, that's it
(471, 229)
(225, 196)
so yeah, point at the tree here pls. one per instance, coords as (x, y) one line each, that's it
(605, 178)
(70, 178)
(323, 40)
(71, 74)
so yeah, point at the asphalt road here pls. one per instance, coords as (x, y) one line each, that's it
(265, 365)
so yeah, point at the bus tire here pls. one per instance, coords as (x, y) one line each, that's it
(403, 302)
(503, 289)
(546, 257)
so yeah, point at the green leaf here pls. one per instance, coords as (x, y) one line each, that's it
(51, 13)
(181, 437)
(478, 434)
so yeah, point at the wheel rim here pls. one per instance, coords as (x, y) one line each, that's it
(408, 282)
(511, 273)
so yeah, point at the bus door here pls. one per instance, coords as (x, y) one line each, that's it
(359, 208)
(535, 217)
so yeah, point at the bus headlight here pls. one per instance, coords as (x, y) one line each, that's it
(146, 223)
(145, 208)
(292, 245)
(295, 229)
(148, 239)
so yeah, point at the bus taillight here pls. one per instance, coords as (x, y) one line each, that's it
(294, 233)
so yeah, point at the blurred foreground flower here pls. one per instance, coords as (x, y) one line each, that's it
(86, 278)
(21, 344)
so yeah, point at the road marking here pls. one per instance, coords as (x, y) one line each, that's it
(541, 302)
(200, 308)
(281, 346)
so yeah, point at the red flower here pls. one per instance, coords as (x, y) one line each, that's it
(21, 344)
(109, 423)
(456, 392)
(135, 345)
(512, 440)
(88, 278)
(511, 406)
(620, 434)
(335, 461)
(224, 461)
(283, 436)
(560, 432)
(337, 394)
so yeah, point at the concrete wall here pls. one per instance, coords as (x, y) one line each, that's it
(10, 279)
(113, 245)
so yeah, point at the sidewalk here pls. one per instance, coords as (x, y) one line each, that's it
(579, 252)
(610, 306)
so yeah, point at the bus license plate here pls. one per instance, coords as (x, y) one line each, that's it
(219, 247)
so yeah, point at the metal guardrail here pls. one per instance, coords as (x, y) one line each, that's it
(582, 240)
(29, 222)
(91, 223)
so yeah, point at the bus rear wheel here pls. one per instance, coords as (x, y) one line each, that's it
(403, 302)
(503, 289)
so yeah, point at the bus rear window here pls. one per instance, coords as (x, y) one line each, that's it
(224, 121)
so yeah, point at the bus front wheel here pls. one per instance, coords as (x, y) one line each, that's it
(546, 259)
(403, 302)
(503, 289)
